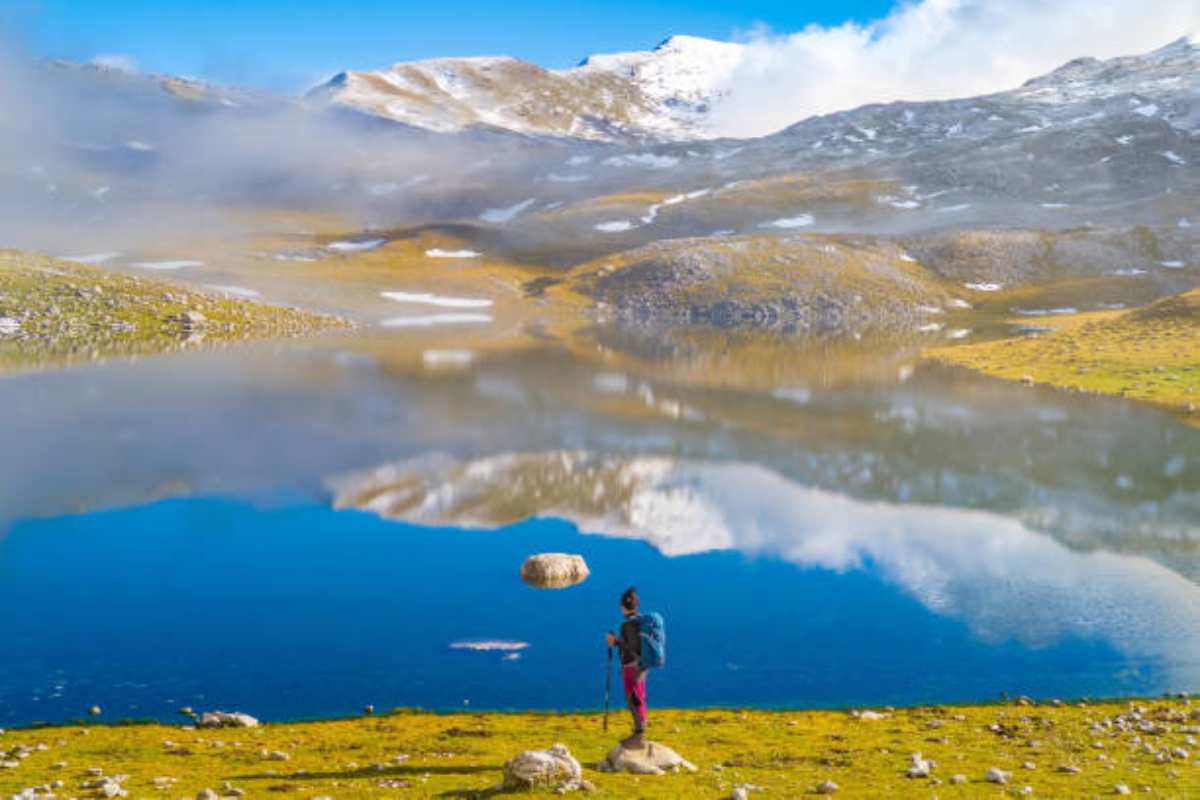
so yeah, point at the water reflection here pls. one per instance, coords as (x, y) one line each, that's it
(871, 424)
(1004, 580)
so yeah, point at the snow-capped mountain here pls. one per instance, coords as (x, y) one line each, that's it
(664, 93)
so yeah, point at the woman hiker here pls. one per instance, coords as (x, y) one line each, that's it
(629, 640)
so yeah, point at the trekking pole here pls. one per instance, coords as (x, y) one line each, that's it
(607, 687)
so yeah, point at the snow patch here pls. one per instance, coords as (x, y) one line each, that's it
(497, 216)
(1174, 158)
(1172, 264)
(429, 299)
(355, 247)
(166, 265)
(984, 287)
(616, 226)
(438, 252)
(801, 221)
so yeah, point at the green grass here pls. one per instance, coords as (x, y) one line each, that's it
(70, 312)
(786, 753)
(1150, 354)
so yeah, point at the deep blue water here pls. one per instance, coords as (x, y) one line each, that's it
(297, 611)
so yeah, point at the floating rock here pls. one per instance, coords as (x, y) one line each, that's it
(226, 719)
(652, 759)
(94, 711)
(554, 570)
(995, 775)
(553, 768)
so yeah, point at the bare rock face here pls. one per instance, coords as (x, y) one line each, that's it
(554, 570)
(226, 719)
(652, 759)
(555, 768)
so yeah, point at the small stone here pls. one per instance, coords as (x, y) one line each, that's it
(919, 767)
(826, 787)
(1029, 765)
(277, 755)
(1121, 788)
(1069, 769)
(996, 775)
(207, 794)
(958, 779)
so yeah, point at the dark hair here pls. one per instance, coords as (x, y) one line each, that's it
(629, 599)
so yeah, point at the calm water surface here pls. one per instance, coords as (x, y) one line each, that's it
(298, 530)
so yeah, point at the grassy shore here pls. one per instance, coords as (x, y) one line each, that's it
(58, 312)
(1150, 354)
(1058, 750)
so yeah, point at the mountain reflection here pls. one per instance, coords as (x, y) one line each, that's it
(1002, 579)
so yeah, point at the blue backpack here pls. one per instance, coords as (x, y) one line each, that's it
(654, 640)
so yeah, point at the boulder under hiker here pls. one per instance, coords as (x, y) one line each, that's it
(642, 644)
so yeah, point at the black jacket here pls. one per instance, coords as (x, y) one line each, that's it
(630, 641)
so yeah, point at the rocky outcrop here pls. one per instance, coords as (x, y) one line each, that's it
(789, 283)
(226, 719)
(555, 768)
(651, 759)
(554, 570)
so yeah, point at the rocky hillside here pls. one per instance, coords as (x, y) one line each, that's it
(791, 283)
(664, 93)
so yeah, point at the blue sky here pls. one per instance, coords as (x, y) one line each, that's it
(291, 44)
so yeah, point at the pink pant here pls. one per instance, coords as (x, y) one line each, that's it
(635, 693)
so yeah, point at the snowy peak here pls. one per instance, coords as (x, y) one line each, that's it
(664, 93)
(669, 93)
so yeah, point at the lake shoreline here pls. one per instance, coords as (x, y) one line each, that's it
(1057, 749)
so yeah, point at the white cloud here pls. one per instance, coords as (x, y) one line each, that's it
(935, 49)
(117, 61)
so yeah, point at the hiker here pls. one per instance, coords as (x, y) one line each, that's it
(633, 671)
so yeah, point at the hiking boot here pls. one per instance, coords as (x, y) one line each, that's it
(635, 742)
